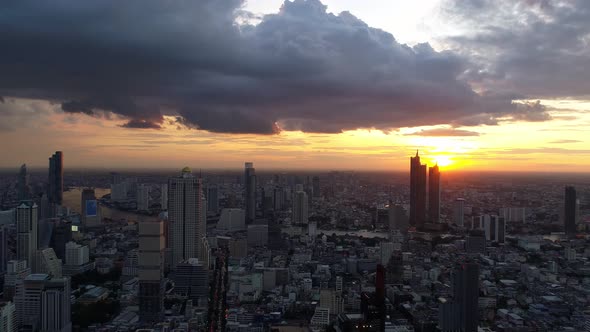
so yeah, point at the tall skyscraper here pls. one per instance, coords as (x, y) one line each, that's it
(26, 231)
(56, 185)
(417, 191)
(398, 219)
(459, 212)
(434, 194)
(23, 189)
(212, 199)
(164, 196)
(461, 313)
(315, 182)
(151, 267)
(192, 280)
(300, 208)
(185, 215)
(570, 208)
(8, 317)
(250, 191)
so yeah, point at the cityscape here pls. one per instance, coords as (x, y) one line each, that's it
(295, 166)
(293, 251)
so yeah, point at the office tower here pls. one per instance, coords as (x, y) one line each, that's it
(192, 280)
(43, 304)
(398, 219)
(434, 194)
(164, 196)
(213, 199)
(8, 317)
(320, 318)
(143, 197)
(23, 189)
(119, 192)
(56, 185)
(46, 262)
(3, 248)
(232, 220)
(465, 296)
(476, 242)
(267, 200)
(26, 231)
(250, 192)
(339, 284)
(185, 215)
(77, 259)
(570, 207)
(494, 228)
(131, 264)
(315, 183)
(417, 191)
(300, 208)
(257, 235)
(459, 212)
(60, 236)
(16, 271)
(513, 214)
(151, 267)
(275, 238)
(89, 207)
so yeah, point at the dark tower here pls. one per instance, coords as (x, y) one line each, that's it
(466, 295)
(570, 210)
(315, 182)
(23, 189)
(434, 194)
(56, 184)
(417, 191)
(250, 192)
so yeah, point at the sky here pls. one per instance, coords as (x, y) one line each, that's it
(495, 85)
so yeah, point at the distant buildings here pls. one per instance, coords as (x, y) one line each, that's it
(191, 279)
(417, 192)
(212, 199)
(315, 183)
(23, 190)
(300, 208)
(186, 215)
(434, 194)
(250, 192)
(462, 312)
(26, 231)
(89, 206)
(3, 248)
(143, 197)
(151, 270)
(164, 196)
(398, 219)
(570, 210)
(56, 185)
(232, 220)
(257, 235)
(77, 259)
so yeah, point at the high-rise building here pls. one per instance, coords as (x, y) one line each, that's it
(232, 220)
(60, 236)
(257, 235)
(398, 219)
(151, 267)
(315, 183)
(23, 189)
(300, 208)
(250, 192)
(143, 197)
(164, 196)
(461, 312)
(494, 228)
(570, 212)
(26, 231)
(192, 280)
(43, 304)
(56, 185)
(16, 271)
(417, 191)
(185, 215)
(459, 212)
(3, 248)
(77, 259)
(119, 192)
(434, 194)
(212, 199)
(8, 317)
(47, 262)
(89, 206)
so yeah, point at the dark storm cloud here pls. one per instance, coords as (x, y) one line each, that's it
(301, 69)
(539, 48)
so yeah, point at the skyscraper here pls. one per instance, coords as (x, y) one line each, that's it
(151, 266)
(192, 280)
(315, 182)
(89, 207)
(185, 215)
(461, 313)
(570, 207)
(212, 199)
(417, 191)
(434, 194)
(300, 208)
(26, 231)
(56, 185)
(459, 212)
(398, 219)
(164, 196)
(23, 189)
(3, 248)
(250, 191)
(143, 197)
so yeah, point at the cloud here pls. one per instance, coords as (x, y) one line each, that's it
(444, 132)
(299, 69)
(539, 48)
(565, 141)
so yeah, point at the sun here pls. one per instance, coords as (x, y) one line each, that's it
(442, 160)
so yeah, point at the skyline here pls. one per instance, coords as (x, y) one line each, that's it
(497, 96)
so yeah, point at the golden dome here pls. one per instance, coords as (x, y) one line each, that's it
(186, 170)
